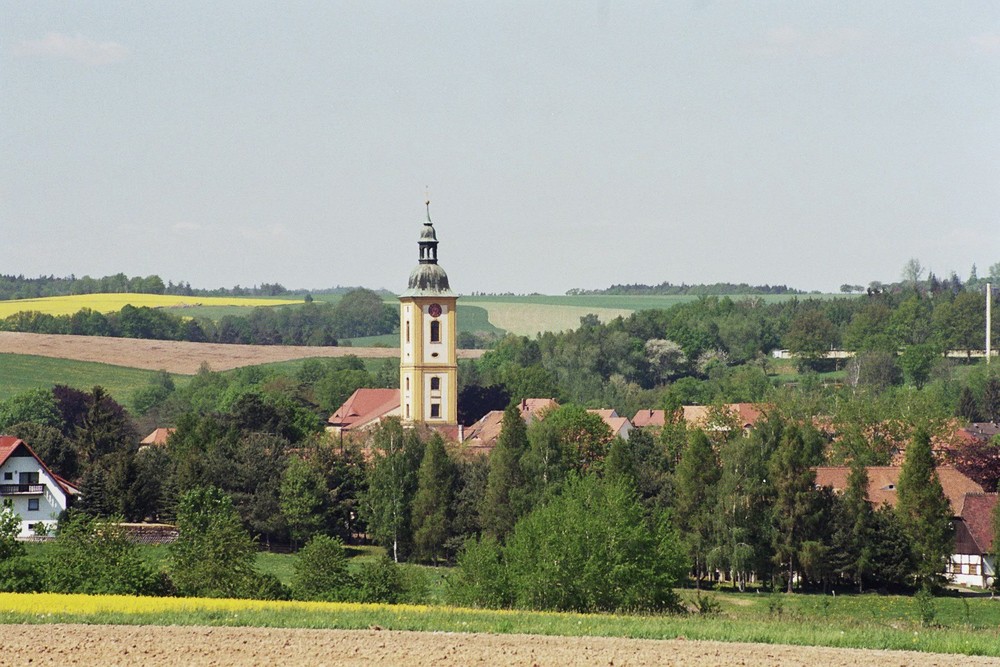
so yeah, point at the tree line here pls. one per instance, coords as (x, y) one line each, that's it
(358, 313)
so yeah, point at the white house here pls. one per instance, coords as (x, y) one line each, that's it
(34, 492)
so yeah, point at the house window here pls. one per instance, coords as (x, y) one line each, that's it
(8, 476)
(27, 478)
(32, 504)
(973, 568)
(435, 410)
(956, 568)
(435, 384)
(435, 331)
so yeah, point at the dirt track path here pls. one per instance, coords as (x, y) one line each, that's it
(223, 646)
(178, 357)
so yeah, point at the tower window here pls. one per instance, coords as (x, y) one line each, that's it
(407, 331)
(407, 383)
(435, 331)
(407, 410)
(435, 410)
(435, 384)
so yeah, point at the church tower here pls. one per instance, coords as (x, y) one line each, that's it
(428, 364)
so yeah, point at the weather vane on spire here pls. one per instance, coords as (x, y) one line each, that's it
(427, 196)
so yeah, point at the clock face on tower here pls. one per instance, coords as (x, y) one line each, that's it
(434, 309)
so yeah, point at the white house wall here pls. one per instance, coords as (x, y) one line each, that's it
(51, 502)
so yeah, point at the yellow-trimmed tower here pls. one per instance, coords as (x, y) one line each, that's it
(428, 364)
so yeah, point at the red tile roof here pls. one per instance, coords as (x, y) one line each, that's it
(882, 481)
(484, 433)
(977, 515)
(645, 418)
(364, 407)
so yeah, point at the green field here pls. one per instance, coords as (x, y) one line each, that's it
(20, 372)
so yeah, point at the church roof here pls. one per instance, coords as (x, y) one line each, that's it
(365, 406)
(428, 278)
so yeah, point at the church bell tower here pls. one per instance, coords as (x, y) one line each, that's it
(428, 364)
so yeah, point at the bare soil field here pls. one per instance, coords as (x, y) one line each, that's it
(221, 646)
(178, 357)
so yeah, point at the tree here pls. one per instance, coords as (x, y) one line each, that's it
(666, 358)
(35, 405)
(917, 361)
(695, 481)
(913, 272)
(924, 510)
(504, 501)
(795, 506)
(321, 571)
(968, 406)
(392, 482)
(853, 528)
(213, 555)
(991, 400)
(593, 549)
(302, 499)
(51, 446)
(810, 336)
(432, 501)
(584, 436)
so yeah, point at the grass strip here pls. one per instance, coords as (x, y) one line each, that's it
(837, 632)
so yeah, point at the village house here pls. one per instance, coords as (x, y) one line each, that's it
(971, 564)
(620, 426)
(34, 492)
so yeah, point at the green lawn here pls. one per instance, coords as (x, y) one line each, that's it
(20, 372)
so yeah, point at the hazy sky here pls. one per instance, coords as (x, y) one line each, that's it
(565, 144)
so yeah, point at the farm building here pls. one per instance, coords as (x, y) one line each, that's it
(34, 492)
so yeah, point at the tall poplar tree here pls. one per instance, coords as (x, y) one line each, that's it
(505, 498)
(924, 510)
(431, 513)
(695, 485)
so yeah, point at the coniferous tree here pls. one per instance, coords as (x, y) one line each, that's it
(695, 485)
(504, 501)
(968, 406)
(795, 504)
(431, 513)
(924, 510)
(853, 528)
(991, 400)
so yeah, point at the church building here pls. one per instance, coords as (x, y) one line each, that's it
(428, 363)
(428, 358)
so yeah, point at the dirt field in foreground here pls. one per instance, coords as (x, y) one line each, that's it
(178, 357)
(153, 645)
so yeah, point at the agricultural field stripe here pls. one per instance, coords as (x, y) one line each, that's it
(126, 610)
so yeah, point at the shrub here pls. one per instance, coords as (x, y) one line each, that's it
(481, 577)
(321, 571)
(94, 555)
(378, 580)
(21, 575)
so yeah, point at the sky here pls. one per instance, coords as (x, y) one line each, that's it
(563, 144)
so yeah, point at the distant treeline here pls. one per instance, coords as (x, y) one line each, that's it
(359, 313)
(20, 287)
(716, 289)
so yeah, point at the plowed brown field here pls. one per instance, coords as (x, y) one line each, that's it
(155, 645)
(178, 357)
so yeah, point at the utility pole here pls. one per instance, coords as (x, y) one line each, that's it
(989, 303)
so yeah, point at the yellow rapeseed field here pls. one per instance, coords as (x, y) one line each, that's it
(112, 303)
(73, 603)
